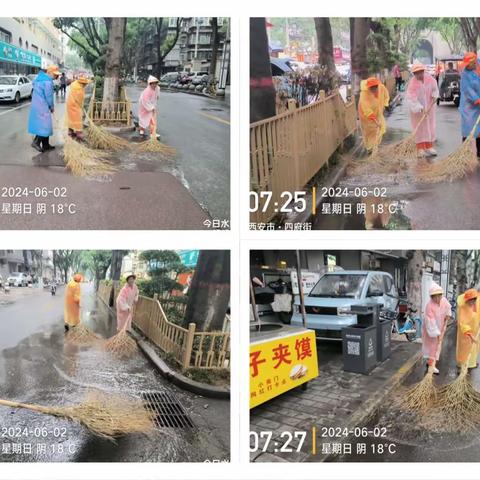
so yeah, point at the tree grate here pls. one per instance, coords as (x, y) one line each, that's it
(167, 411)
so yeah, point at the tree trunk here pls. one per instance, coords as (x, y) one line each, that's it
(262, 91)
(116, 34)
(116, 264)
(461, 272)
(359, 31)
(209, 292)
(214, 43)
(158, 46)
(325, 50)
(414, 279)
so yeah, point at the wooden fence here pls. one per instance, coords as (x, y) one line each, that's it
(287, 150)
(189, 348)
(116, 113)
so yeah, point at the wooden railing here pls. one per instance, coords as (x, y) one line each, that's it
(287, 150)
(116, 113)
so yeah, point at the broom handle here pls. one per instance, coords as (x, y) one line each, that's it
(472, 133)
(439, 345)
(424, 116)
(28, 406)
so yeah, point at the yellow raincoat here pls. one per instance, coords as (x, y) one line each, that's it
(370, 108)
(468, 322)
(72, 304)
(75, 100)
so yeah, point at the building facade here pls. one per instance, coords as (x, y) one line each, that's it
(28, 45)
(192, 51)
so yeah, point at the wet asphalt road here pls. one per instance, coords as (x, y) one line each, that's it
(442, 206)
(38, 365)
(199, 128)
(405, 440)
(184, 191)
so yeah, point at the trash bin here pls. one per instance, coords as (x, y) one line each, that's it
(367, 315)
(359, 344)
(384, 339)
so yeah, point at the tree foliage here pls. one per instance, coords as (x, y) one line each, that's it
(163, 267)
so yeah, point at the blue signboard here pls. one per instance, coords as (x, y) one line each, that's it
(9, 53)
(189, 257)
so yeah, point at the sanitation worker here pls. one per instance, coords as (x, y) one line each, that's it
(42, 108)
(437, 314)
(72, 302)
(75, 101)
(147, 107)
(470, 97)
(467, 328)
(422, 94)
(374, 98)
(126, 300)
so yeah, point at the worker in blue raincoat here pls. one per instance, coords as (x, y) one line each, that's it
(42, 108)
(470, 97)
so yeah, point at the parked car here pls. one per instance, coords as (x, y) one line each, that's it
(200, 78)
(15, 87)
(170, 77)
(328, 305)
(17, 279)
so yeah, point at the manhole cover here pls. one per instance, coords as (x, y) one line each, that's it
(167, 410)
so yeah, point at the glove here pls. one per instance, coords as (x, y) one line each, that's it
(477, 101)
(372, 117)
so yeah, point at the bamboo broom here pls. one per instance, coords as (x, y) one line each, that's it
(424, 393)
(82, 335)
(107, 416)
(122, 344)
(407, 148)
(85, 162)
(152, 145)
(98, 137)
(454, 167)
(459, 401)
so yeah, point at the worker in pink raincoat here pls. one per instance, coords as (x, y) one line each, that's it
(147, 110)
(126, 300)
(437, 314)
(422, 94)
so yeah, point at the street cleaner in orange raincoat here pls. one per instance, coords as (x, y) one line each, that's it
(374, 98)
(467, 328)
(75, 101)
(72, 302)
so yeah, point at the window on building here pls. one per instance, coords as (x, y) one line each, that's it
(34, 48)
(26, 45)
(5, 36)
(20, 42)
(172, 22)
(204, 38)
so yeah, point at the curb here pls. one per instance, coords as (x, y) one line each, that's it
(176, 378)
(192, 92)
(371, 406)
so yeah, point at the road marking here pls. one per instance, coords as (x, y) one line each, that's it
(16, 108)
(213, 117)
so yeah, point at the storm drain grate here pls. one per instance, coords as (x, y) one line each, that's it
(167, 410)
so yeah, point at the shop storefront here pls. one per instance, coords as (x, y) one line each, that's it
(14, 60)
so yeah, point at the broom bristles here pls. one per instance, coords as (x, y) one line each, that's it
(107, 416)
(121, 344)
(85, 162)
(98, 137)
(82, 335)
(152, 145)
(422, 395)
(454, 167)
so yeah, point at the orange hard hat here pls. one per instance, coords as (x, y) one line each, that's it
(372, 82)
(470, 294)
(469, 57)
(78, 277)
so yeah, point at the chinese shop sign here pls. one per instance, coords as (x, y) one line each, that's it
(279, 365)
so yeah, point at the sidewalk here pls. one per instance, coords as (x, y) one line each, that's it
(334, 399)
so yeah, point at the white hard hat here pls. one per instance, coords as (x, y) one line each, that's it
(152, 79)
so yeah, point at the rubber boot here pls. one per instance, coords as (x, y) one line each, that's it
(36, 144)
